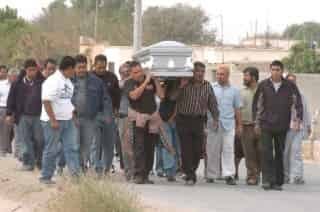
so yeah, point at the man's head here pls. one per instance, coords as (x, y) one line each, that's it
(49, 67)
(124, 71)
(13, 75)
(222, 74)
(31, 68)
(250, 76)
(67, 66)
(3, 72)
(292, 78)
(100, 64)
(276, 68)
(136, 71)
(199, 70)
(81, 65)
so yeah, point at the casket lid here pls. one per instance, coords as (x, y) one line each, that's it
(165, 48)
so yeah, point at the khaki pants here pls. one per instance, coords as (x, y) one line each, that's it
(251, 149)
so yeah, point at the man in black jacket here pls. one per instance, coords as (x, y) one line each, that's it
(107, 130)
(272, 104)
(24, 107)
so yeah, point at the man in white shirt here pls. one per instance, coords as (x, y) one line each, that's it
(57, 121)
(5, 128)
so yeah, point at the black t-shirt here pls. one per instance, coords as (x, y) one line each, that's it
(146, 103)
(167, 109)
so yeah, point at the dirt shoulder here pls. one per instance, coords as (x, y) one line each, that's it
(22, 192)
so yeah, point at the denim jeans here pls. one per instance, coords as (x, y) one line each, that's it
(67, 135)
(87, 130)
(31, 140)
(4, 133)
(103, 145)
(293, 162)
(17, 143)
(61, 160)
(126, 136)
(166, 162)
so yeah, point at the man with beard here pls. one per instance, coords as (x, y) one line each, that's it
(249, 140)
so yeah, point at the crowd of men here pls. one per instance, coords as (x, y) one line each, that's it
(76, 117)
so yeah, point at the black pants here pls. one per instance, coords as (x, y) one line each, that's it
(191, 134)
(143, 151)
(272, 148)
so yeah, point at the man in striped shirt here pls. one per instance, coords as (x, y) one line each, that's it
(194, 98)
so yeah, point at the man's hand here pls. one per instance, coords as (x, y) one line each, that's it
(215, 125)
(257, 131)
(76, 122)
(184, 82)
(309, 131)
(9, 120)
(296, 126)
(239, 131)
(54, 124)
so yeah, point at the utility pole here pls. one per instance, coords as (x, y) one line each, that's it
(137, 27)
(96, 21)
(255, 33)
(222, 37)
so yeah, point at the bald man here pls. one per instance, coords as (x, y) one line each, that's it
(220, 141)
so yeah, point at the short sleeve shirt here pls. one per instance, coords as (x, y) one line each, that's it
(229, 99)
(146, 103)
(58, 90)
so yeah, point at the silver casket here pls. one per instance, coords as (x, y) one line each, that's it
(166, 59)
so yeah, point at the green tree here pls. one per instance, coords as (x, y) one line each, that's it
(181, 23)
(307, 32)
(303, 59)
(12, 29)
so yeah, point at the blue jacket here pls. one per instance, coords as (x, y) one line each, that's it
(98, 100)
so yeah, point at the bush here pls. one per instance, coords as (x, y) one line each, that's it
(90, 195)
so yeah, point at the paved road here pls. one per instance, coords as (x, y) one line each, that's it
(219, 197)
(23, 189)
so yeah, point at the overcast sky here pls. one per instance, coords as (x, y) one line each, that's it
(239, 16)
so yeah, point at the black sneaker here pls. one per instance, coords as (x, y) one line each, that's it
(147, 181)
(190, 182)
(160, 174)
(266, 186)
(299, 181)
(171, 179)
(47, 181)
(277, 188)
(27, 168)
(138, 180)
(210, 180)
(231, 181)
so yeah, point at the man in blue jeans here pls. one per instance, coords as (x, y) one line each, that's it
(24, 106)
(57, 121)
(88, 99)
(103, 148)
